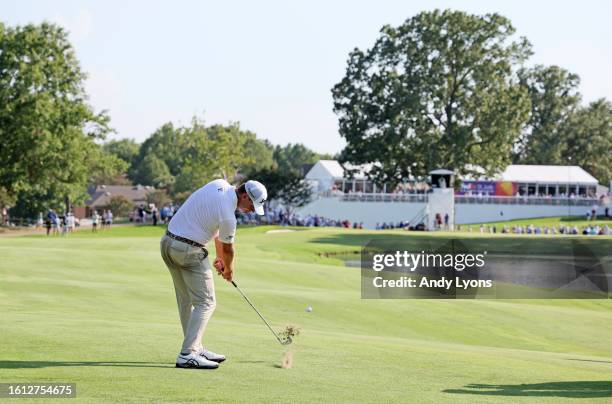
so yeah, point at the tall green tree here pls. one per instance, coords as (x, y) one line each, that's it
(292, 157)
(6, 199)
(436, 91)
(554, 96)
(227, 147)
(106, 168)
(588, 139)
(167, 144)
(125, 149)
(155, 172)
(262, 153)
(285, 187)
(197, 154)
(208, 153)
(48, 131)
(195, 174)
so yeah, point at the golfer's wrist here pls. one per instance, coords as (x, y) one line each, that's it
(228, 263)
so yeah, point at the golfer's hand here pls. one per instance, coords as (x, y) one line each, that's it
(221, 270)
(218, 264)
(227, 274)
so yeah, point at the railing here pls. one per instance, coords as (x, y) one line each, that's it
(464, 199)
(526, 200)
(359, 197)
(418, 218)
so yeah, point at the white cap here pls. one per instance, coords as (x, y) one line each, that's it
(258, 194)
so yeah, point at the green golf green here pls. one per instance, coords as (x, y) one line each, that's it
(556, 221)
(99, 310)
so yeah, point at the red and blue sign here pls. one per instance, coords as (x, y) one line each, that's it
(495, 188)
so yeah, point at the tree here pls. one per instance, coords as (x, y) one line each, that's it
(196, 154)
(181, 197)
(159, 198)
(6, 200)
(198, 165)
(295, 192)
(191, 179)
(125, 149)
(286, 187)
(588, 135)
(227, 148)
(437, 91)
(554, 96)
(167, 144)
(293, 156)
(47, 129)
(120, 206)
(155, 172)
(107, 168)
(262, 153)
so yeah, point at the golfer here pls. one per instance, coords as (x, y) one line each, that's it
(209, 213)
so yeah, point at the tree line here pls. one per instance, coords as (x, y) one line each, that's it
(54, 145)
(179, 160)
(443, 89)
(448, 89)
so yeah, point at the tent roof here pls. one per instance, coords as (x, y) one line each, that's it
(325, 169)
(331, 169)
(547, 174)
(441, 171)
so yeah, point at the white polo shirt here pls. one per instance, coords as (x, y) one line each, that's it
(207, 211)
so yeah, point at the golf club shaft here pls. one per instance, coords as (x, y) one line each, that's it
(256, 311)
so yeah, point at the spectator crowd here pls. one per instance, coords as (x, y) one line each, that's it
(57, 223)
(590, 230)
(150, 213)
(280, 217)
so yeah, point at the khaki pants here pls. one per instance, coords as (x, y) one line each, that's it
(195, 290)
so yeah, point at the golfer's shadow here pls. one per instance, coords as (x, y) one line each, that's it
(577, 389)
(49, 364)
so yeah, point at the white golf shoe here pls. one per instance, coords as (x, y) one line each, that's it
(195, 361)
(211, 356)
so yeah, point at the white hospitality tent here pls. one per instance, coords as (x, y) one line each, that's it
(550, 180)
(330, 175)
(324, 174)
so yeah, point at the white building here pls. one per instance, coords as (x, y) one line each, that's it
(324, 174)
(529, 191)
(550, 180)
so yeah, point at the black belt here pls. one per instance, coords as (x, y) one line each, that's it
(186, 240)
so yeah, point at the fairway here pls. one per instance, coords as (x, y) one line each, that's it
(99, 310)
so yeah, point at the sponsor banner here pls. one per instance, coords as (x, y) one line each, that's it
(497, 188)
(506, 188)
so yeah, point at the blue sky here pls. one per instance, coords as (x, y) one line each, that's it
(271, 65)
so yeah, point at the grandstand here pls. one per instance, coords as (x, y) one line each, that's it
(519, 192)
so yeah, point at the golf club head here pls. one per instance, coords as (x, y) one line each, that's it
(285, 341)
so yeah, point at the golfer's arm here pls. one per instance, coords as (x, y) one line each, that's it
(219, 248)
(227, 256)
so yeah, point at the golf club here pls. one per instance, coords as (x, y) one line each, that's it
(283, 341)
